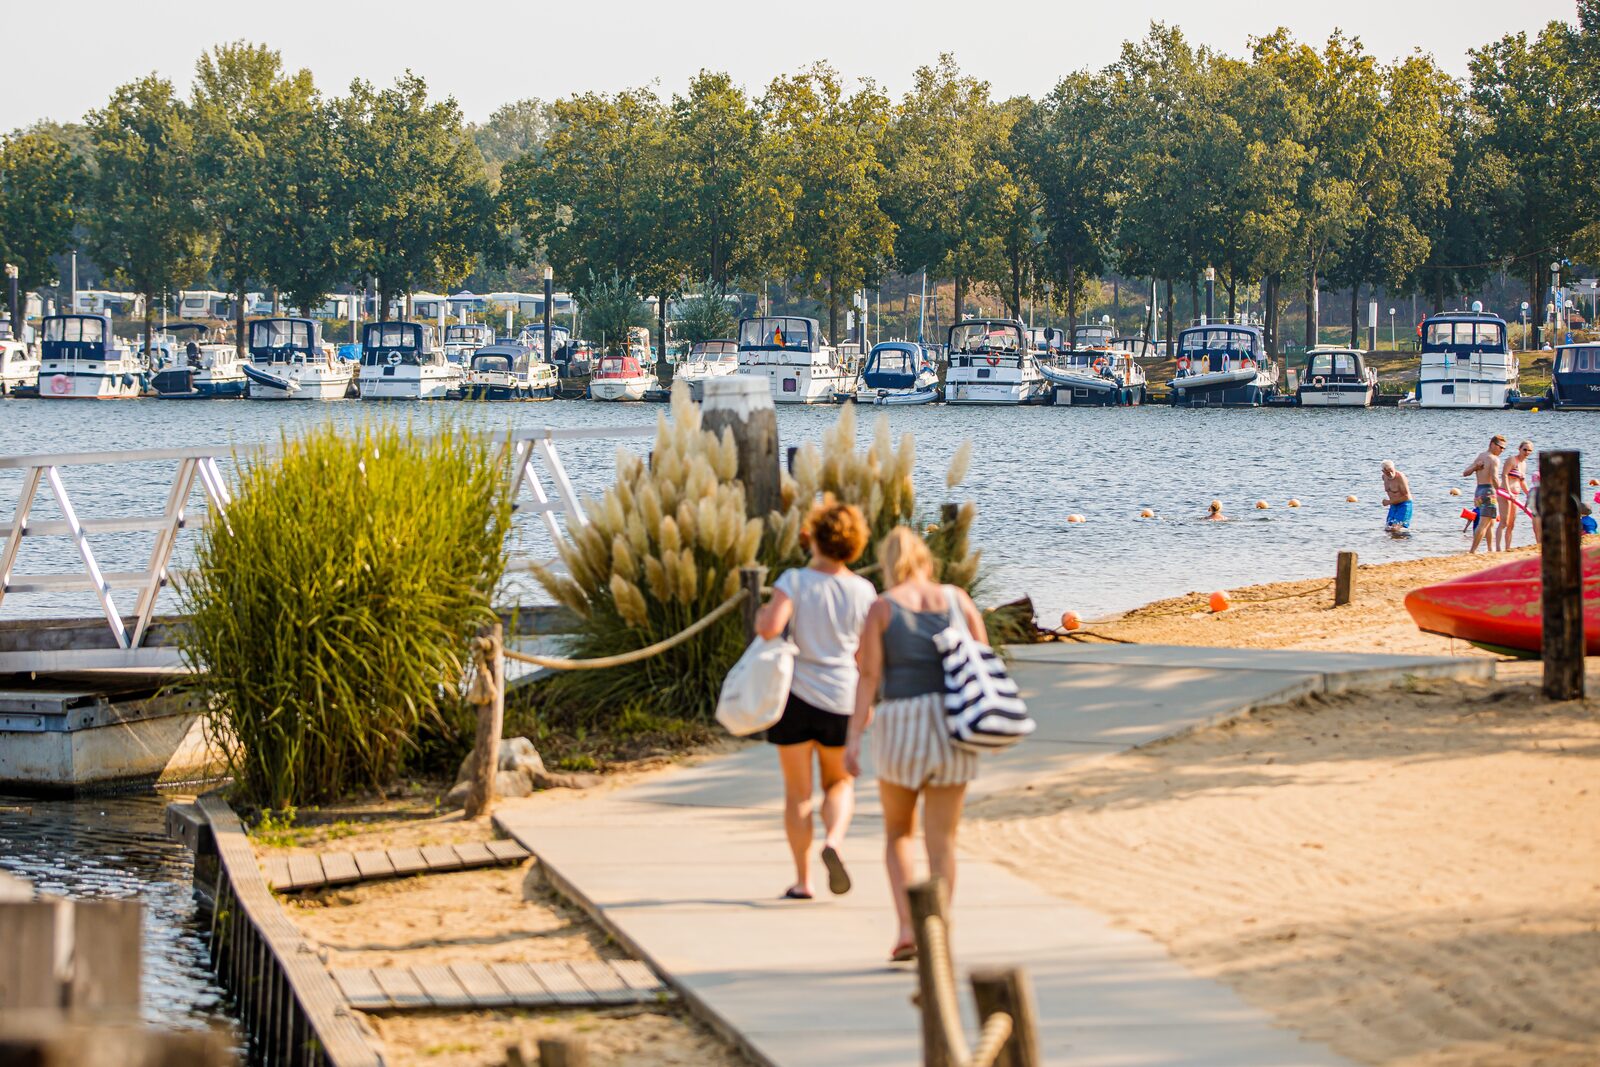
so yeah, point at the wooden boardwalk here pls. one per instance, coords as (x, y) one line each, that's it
(472, 986)
(318, 870)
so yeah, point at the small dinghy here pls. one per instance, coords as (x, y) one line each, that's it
(1498, 608)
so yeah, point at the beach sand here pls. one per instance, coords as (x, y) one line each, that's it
(1409, 876)
(486, 916)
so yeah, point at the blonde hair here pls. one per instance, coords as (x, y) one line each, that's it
(904, 556)
(1216, 506)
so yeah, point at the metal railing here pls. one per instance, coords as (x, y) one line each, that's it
(84, 645)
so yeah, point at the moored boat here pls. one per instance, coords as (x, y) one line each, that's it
(463, 339)
(403, 361)
(198, 368)
(989, 363)
(19, 367)
(620, 377)
(1466, 361)
(81, 359)
(1336, 378)
(707, 359)
(1223, 365)
(896, 372)
(288, 361)
(789, 352)
(1499, 608)
(1095, 377)
(509, 371)
(1575, 379)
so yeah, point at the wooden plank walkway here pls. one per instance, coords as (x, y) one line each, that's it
(468, 986)
(317, 870)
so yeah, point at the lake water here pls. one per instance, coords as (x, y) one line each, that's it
(1032, 468)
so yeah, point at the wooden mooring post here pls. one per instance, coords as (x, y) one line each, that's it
(1561, 575)
(1007, 1019)
(488, 694)
(751, 580)
(742, 403)
(1344, 579)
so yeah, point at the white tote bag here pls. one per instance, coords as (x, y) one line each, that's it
(757, 688)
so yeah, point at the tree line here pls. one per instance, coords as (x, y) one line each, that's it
(1292, 170)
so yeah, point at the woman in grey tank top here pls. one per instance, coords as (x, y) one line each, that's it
(902, 692)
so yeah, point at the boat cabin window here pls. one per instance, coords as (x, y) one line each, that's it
(1233, 344)
(470, 334)
(1332, 364)
(793, 335)
(493, 364)
(1473, 334)
(984, 338)
(617, 367)
(75, 330)
(1578, 359)
(281, 333)
(392, 335)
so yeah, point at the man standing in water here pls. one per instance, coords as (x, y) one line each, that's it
(1486, 468)
(1397, 494)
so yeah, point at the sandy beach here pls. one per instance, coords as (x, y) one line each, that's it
(1408, 876)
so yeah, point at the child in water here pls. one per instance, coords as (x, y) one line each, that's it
(1587, 519)
(1215, 514)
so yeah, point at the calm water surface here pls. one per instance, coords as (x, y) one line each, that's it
(1032, 468)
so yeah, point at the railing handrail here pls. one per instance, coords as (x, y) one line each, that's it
(153, 455)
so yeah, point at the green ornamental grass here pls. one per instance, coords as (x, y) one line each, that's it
(332, 606)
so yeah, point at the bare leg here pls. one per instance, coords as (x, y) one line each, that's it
(942, 812)
(838, 795)
(797, 807)
(1483, 527)
(899, 827)
(1509, 527)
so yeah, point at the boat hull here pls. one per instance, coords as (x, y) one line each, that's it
(620, 390)
(1500, 607)
(184, 384)
(891, 397)
(1463, 393)
(291, 383)
(405, 387)
(1354, 395)
(61, 381)
(1243, 388)
(799, 384)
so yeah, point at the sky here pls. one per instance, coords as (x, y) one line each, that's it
(488, 52)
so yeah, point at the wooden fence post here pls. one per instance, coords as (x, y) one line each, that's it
(489, 694)
(1561, 574)
(742, 403)
(1344, 580)
(942, 1039)
(1007, 990)
(750, 580)
(563, 1052)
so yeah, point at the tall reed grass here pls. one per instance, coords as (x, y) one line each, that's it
(330, 612)
(664, 547)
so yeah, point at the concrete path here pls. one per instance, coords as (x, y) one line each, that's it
(684, 870)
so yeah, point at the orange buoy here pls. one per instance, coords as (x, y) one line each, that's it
(1219, 601)
(1457, 492)
(1147, 514)
(1594, 481)
(1293, 503)
(1074, 518)
(1069, 620)
(1351, 499)
(1261, 505)
(1469, 513)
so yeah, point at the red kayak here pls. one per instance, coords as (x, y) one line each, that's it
(1499, 608)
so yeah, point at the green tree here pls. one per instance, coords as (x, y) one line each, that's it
(421, 207)
(306, 253)
(512, 130)
(611, 307)
(822, 152)
(246, 112)
(39, 182)
(144, 223)
(723, 214)
(705, 315)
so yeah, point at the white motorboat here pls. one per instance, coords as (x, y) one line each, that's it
(1337, 378)
(706, 359)
(463, 339)
(509, 371)
(193, 367)
(403, 361)
(1095, 377)
(989, 363)
(789, 352)
(19, 366)
(1466, 362)
(619, 378)
(288, 361)
(1223, 364)
(81, 359)
(896, 372)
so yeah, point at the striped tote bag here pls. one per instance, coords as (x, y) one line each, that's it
(982, 709)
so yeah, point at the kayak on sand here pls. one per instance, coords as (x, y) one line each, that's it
(1499, 608)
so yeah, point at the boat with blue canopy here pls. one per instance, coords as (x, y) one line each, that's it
(288, 361)
(895, 373)
(1575, 379)
(1223, 364)
(80, 359)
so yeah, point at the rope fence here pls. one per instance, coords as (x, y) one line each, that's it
(622, 659)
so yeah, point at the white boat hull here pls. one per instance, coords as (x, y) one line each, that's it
(1311, 397)
(1460, 393)
(301, 382)
(89, 380)
(800, 384)
(620, 389)
(896, 397)
(433, 384)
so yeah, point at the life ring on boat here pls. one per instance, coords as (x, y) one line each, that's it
(1183, 362)
(394, 359)
(1101, 364)
(60, 384)
(994, 361)
(1318, 382)
(1247, 363)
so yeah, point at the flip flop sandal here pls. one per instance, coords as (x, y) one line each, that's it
(838, 877)
(795, 894)
(904, 952)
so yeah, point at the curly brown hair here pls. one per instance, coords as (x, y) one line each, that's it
(837, 531)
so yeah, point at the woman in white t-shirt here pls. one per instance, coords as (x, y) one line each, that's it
(827, 606)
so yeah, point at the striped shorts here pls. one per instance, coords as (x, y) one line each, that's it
(913, 748)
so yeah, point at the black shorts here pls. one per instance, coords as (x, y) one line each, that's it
(804, 722)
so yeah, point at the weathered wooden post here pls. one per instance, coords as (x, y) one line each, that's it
(563, 1052)
(750, 580)
(742, 403)
(1007, 991)
(942, 1039)
(1561, 575)
(489, 694)
(1344, 579)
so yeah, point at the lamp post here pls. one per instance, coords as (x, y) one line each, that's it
(549, 298)
(1525, 324)
(1555, 300)
(13, 297)
(1392, 344)
(1211, 290)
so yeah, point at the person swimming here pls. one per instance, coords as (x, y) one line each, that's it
(1215, 513)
